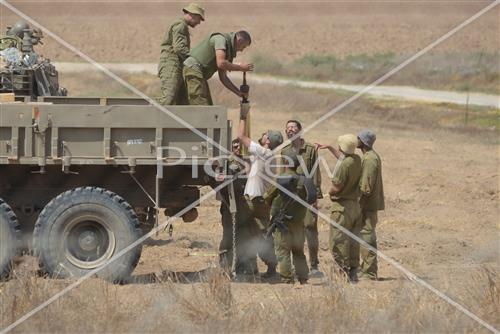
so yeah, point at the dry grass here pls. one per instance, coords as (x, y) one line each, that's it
(217, 305)
(477, 71)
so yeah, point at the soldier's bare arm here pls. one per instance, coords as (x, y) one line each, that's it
(336, 152)
(228, 83)
(224, 64)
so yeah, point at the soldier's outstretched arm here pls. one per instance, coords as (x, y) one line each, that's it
(228, 83)
(244, 139)
(336, 152)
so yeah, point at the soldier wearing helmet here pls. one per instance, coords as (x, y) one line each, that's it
(174, 50)
(371, 201)
(346, 212)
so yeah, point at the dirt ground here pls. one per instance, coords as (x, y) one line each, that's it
(441, 184)
(441, 223)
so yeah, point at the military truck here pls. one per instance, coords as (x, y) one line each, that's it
(78, 177)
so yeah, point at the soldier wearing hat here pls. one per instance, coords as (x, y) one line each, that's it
(346, 212)
(174, 50)
(214, 54)
(309, 167)
(371, 201)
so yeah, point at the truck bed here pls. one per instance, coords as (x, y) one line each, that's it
(108, 131)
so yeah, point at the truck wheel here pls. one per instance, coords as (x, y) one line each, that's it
(9, 238)
(81, 229)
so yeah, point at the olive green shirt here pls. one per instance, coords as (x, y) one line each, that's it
(346, 176)
(370, 183)
(176, 41)
(204, 56)
(310, 156)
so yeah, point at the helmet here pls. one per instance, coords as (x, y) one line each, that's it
(275, 138)
(367, 137)
(18, 29)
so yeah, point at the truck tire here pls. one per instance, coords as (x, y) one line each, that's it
(9, 238)
(81, 229)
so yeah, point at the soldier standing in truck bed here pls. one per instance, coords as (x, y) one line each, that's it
(174, 50)
(214, 54)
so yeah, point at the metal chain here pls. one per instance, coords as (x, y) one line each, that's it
(233, 262)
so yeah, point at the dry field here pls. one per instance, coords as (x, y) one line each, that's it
(441, 222)
(125, 31)
(441, 182)
(345, 41)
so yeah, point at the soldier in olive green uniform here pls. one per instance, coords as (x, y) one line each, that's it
(289, 243)
(345, 207)
(371, 201)
(214, 54)
(310, 157)
(174, 50)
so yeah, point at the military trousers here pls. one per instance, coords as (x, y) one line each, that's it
(289, 247)
(311, 233)
(369, 265)
(344, 249)
(258, 221)
(173, 89)
(198, 92)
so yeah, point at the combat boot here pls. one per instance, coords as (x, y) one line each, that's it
(353, 275)
(270, 273)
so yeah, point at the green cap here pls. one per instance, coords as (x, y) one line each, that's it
(194, 8)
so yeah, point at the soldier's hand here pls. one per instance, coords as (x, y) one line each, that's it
(246, 67)
(320, 146)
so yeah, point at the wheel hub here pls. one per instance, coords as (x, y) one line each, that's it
(88, 242)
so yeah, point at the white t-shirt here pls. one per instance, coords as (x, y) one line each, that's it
(256, 185)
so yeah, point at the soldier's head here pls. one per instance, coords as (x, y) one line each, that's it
(347, 143)
(236, 147)
(193, 14)
(293, 128)
(366, 139)
(271, 139)
(242, 40)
